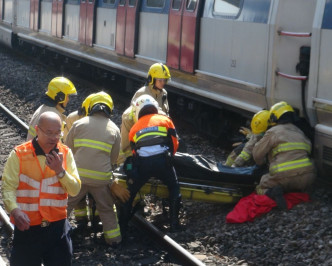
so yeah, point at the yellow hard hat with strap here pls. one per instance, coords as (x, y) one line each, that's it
(277, 110)
(59, 88)
(259, 122)
(158, 71)
(101, 98)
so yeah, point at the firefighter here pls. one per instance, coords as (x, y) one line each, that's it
(288, 152)
(259, 125)
(82, 210)
(78, 114)
(154, 141)
(95, 142)
(55, 99)
(158, 76)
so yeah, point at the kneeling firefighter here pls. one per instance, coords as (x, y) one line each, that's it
(288, 151)
(154, 141)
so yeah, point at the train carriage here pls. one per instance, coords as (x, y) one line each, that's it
(238, 55)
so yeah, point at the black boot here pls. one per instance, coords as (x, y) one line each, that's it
(277, 194)
(174, 208)
(124, 216)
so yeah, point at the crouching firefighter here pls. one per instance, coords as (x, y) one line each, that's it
(154, 141)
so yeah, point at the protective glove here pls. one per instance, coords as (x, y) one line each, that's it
(246, 132)
(119, 192)
(236, 144)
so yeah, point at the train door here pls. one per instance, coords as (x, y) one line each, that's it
(184, 19)
(87, 13)
(293, 27)
(34, 13)
(127, 25)
(57, 17)
(174, 33)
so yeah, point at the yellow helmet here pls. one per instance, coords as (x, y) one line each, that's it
(59, 88)
(277, 110)
(86, 104)
(259, 122)
(158, 71)
(103, 98)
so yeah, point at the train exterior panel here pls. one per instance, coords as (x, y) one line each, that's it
(106, 24)
(72, 20)
(8, 11)
(152, 43)
(23, 13)
(242, 55)
(46, 17)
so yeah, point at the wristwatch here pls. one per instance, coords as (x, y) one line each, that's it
(62, 174)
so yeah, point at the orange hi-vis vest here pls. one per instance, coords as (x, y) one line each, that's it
(153, 129)
(39, 193)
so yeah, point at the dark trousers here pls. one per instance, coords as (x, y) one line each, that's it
(49, 245)
(158, 166)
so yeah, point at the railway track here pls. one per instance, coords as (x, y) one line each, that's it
(9, 122)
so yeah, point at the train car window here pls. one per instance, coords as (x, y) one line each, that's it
(73, 2)
(191, 4)
(109, 2)
(227, 8)
(155, 3)
(176, 5)
(327, 17)
(90, 1)
(132, 3)
(122, 2)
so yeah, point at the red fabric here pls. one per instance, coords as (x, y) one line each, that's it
(252, 206)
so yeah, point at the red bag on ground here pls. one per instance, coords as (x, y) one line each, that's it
(252, 206)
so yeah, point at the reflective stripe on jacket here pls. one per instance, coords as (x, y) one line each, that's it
(154, 129)
(287, 149)
(40, 194)
(291, 146)
(291, 165)
(95, 142)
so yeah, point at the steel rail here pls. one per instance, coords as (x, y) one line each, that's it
(178, 252)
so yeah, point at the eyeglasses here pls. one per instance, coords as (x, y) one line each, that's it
(52, 135)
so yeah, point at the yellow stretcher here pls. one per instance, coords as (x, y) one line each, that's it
(189, 191)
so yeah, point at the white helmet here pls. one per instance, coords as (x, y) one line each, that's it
(145, 104)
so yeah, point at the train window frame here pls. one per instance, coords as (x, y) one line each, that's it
(157, 7)
(73, 2)
(224, 14)
(191, 10)
(108, 2)
(180, 4)
(122, 3)
(130, 4)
